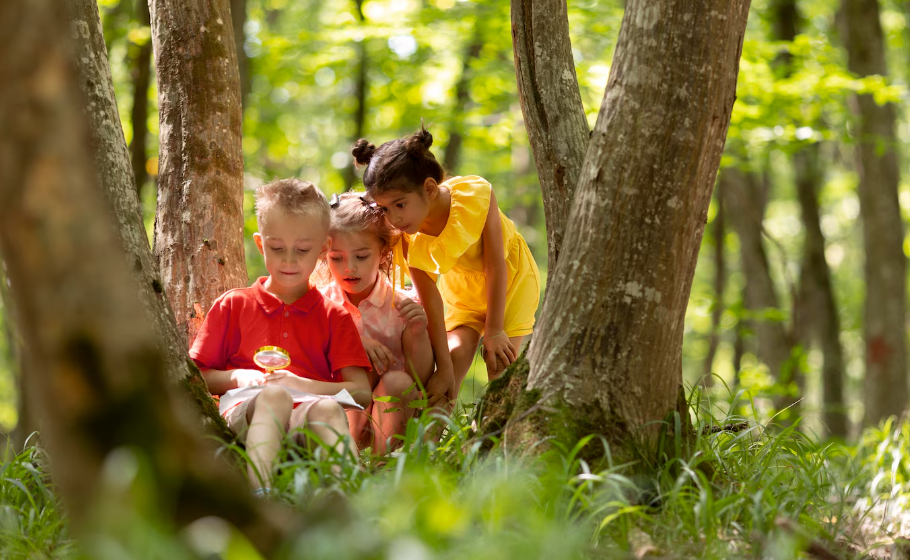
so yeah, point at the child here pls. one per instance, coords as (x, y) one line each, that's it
(284, 310)
(392, 326)
(490, 283)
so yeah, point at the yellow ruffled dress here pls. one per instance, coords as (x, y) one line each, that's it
(457, 256)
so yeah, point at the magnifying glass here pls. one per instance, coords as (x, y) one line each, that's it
(271, 358)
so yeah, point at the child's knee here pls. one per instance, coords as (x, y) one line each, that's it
(276, 399)
(326, 411)
(394, 383)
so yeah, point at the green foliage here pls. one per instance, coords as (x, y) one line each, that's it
(731, 498)
(32, 523)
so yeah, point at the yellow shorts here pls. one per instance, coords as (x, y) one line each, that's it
(465, 294)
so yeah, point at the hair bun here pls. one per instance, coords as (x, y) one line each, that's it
(363, 151)
(419, 142)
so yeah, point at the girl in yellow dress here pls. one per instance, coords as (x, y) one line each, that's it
(489, 285)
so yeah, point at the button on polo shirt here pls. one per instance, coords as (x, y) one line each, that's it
(319, 334)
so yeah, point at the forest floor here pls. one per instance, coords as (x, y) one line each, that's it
(761, 492)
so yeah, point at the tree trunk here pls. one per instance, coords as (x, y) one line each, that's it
(719, 232)
(142, 77)
(745, 198)
(883, 231)
(552, 108)
(199, 224)
(607, 355)
(238, 23)
(815, 310)
(452, 155)
(112, 164)
(96, 373)
(361, 93)
(817, 292)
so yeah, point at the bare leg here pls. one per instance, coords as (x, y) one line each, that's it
(495, 367)
(463, 342)
(268, 416)
(387, 424)
(359, 420)
(326, 419)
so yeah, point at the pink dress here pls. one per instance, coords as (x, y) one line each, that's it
(377, 317)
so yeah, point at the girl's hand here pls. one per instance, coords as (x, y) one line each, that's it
(413, 314)
(440, 388)
(498, 346)
(247, 377)
(381, 356)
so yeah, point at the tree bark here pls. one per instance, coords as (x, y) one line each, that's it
(96, 373)
(817, 292)
(718, 232)
(112, 164)
(142, 77)
(607, 355)
(745, 198)
(452, 155)
(199, 224)
(552, 108)
(361, 93)
(885, 267)
(815, 311)
(238, 23)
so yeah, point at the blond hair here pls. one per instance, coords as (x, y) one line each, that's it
(292, 196)
(352, 212)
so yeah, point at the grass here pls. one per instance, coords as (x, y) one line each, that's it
(759, 492)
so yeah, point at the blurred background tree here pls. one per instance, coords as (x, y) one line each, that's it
(316, 75)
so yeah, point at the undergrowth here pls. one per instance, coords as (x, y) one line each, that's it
(759, 492)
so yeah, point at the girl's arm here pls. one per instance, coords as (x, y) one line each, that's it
(415, 341)
(442, 384)
(495, 341)
(354, 379)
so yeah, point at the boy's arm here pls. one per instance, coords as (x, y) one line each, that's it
(354, 379)
(222, 381)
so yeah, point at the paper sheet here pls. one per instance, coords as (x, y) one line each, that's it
(235, 396)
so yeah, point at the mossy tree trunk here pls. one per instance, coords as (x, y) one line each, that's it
(885, 269)
(606, 357)
(112, 165)
(96, 372)
(199, 223)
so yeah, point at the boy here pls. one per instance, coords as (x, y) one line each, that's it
(284, 310)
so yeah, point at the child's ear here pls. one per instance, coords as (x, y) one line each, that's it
(326, 247)
(430, 187)
(257, 238)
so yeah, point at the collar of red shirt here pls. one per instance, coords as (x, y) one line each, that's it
(271, 303)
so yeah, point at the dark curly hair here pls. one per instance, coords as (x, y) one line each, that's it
(403, 164)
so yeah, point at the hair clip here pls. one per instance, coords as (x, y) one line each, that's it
(368, 204)
(335, 201)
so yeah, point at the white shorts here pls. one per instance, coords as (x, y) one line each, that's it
(236, 416)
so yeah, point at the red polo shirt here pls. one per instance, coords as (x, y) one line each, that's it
(319, 334)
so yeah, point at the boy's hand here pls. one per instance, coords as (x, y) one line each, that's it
(413, 314)
(284, 378)
(381, 356)
(247, 377)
